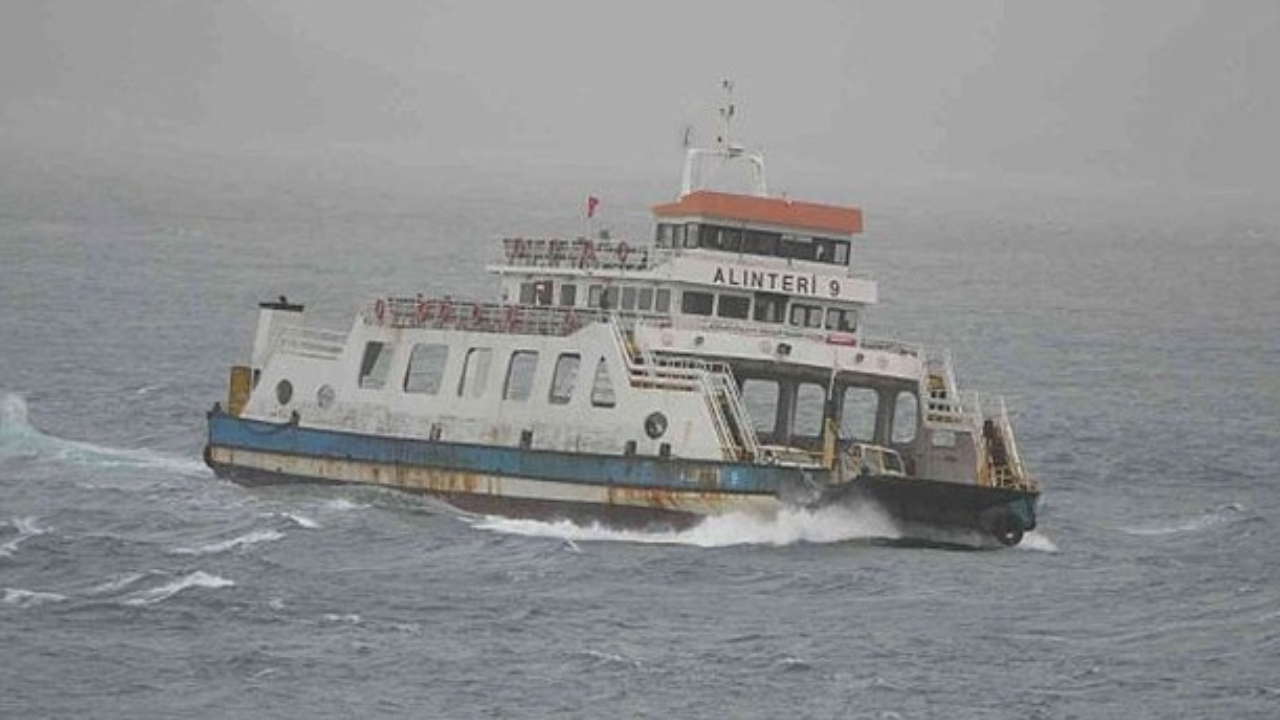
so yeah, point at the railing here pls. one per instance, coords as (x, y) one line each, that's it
(714, 381)
(311, 342)
(582, 253)
(421, 313)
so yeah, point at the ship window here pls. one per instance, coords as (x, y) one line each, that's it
(542, 292)
(568, 295)
(644, 301)
(806, 315)
(426, 368)
(691, 235)
(696, 303)
(564, 378)
(761, 399)
(526, 293)
(375, 365)
(841, 320)
(798, 247)
(810, 401)
(602, 387)
(520, 372)
(858, 414)
(758, 242)
(475, 373)
(734, 306)
(593, 295)
(842, 252)
(666, 235)
(904, 418)
(662, 301)
(770, 308)
(628, 298)
(609, 300)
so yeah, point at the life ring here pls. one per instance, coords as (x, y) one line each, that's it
(588, 255)
(668, 339)
(622, 251)
(477, 313)
(424, 311)
(446, 311)
(512, 316)
(380, 310)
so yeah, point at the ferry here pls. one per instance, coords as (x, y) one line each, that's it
(720, 367)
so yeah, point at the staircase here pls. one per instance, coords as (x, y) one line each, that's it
(715, 381)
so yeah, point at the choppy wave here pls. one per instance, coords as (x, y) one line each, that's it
(197, 579)
(30, 598)
(1038, 542)
(1214, 517)
(27, 527)
(20, 439)
(242, 541)
(788, 527)
(301, 521)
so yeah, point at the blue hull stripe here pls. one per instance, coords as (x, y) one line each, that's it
(646, 472)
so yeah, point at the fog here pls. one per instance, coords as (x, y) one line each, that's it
(1168, 93)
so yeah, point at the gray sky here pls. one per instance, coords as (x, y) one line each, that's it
(1172, 92)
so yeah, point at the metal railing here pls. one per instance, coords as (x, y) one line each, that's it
(580, 253)
(311, 342)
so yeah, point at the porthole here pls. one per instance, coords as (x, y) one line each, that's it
(655, 426)
(325, 396)
(284, 392)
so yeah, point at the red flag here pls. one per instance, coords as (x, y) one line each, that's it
(592, 202)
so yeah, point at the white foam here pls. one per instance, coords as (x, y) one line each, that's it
(302, 521)
(1038, 542)
(246, 540)
(788, 527)
(115, 584)
(1203, 521)
(27, 527)
(197, 579)
(30, 598)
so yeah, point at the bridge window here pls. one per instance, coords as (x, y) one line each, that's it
(842, 320)
(564, 379)
(758, 242)
(696, 303)
(806, 315)
(475, 373)
(426, 368)
(375, 365)
(734, 306)
(602, 394)
(520, 372)
(690, 235)
(770, 307)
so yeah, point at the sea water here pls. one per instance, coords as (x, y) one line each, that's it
(1137, 341)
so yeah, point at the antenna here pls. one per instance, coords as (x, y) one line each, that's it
(726, 149)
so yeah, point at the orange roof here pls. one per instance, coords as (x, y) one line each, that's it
(773, 211)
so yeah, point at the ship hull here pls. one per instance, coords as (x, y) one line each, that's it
(648, 492)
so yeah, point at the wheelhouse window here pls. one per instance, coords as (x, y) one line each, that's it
(475, 373)
(842, 320)
(690, 235)
(426, 368)
(733, 306)
(375, 365)
(564, 379)
(520, 373)
(602, 394)
(803, 315)
(696, 303)
(810, 401)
